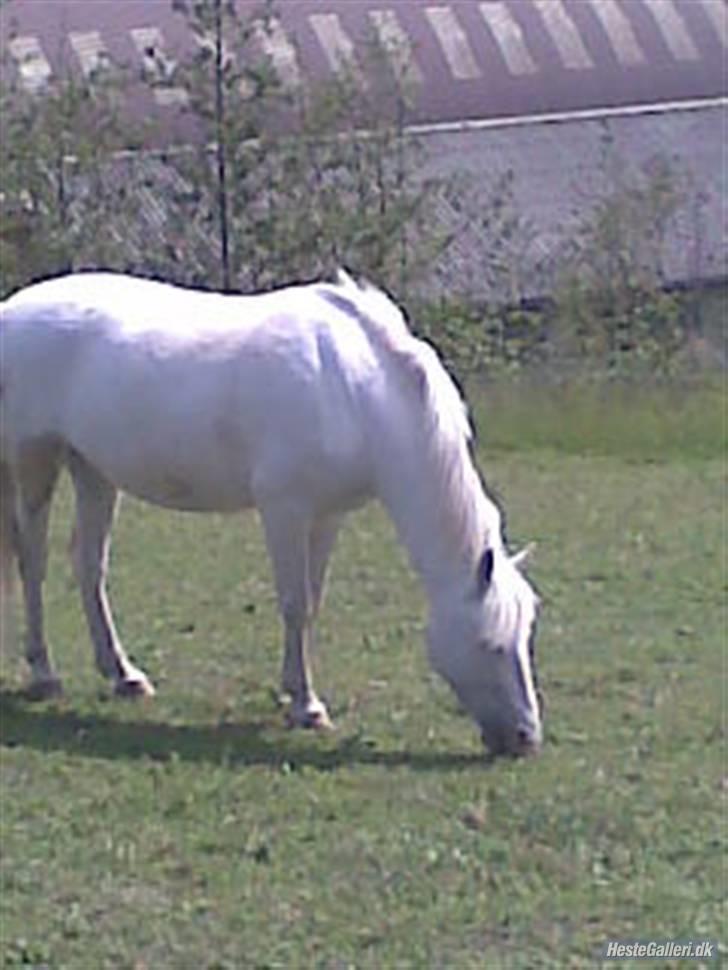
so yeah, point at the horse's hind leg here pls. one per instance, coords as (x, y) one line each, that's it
(37, 473)
(95, 505)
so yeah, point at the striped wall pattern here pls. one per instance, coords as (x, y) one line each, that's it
(470, 58)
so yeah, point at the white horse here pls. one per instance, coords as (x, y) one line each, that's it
(304, 403)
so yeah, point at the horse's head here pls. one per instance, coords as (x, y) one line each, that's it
(481, 641)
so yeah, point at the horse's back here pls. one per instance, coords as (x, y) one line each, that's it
(186, 398)
(130, 305)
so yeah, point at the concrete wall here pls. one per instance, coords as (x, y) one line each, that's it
(560, 168)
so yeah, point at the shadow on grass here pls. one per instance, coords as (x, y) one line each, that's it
(43, 727)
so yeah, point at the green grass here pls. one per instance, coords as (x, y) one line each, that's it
(195, 831)
(626, 421)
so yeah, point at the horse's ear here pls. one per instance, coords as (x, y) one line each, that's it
(485, 571)
(520, 559)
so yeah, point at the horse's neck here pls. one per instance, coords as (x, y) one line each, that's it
(440, 510)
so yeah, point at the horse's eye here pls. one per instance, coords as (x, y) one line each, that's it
(487, 646)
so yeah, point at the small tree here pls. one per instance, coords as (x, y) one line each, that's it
(229, 100)
(291, 183)
(58, 200)
(339, 189)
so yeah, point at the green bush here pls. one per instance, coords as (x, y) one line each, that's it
(611, 313)
(480, 340)
(58, 198)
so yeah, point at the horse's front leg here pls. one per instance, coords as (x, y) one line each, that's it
(322, 537)
(95, 505)
(288, 536)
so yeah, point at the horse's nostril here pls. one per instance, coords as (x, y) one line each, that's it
(528, 740)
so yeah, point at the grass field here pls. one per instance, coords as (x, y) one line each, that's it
(195, 831)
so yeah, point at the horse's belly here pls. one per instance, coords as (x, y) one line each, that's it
(186, 494)
(207, 482)
(206, 471)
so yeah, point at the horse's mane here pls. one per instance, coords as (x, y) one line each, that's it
(420, 366)
(472, 518)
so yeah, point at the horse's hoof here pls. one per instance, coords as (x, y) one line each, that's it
(134, 687)
(43, 690)
(313, 720)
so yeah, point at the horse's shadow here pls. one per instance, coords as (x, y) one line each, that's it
(55, 727)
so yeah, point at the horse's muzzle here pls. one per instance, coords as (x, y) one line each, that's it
(524, 741)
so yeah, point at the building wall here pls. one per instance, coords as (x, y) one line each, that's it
(560, 169)
(535, 88)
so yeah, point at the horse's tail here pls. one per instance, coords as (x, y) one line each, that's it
(8, 555)
(8, 526)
